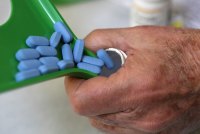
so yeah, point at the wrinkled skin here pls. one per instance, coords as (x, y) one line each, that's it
(157, 91)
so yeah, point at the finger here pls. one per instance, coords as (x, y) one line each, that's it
(98, 95)
(107, 38)
(110, 129)
(124, 118)
(72, 84)
(143, 119)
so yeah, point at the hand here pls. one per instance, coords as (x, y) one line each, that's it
(156, 91)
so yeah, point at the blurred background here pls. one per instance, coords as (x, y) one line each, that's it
(44, 108)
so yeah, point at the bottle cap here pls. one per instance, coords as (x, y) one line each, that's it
(119, 57)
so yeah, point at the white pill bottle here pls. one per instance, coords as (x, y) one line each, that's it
(150, 12)
(191, 13)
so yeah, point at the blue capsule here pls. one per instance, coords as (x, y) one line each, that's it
(89, 67)
(21, 76)
(65, 32)
(93, 61)
(55, 39)
(67, 52)
(78, 50)
(33, 41)
(28, 65)
(45, 69)
(49, 60)
(27, 54)
(103, 55)
(65, 64)
(46, 51)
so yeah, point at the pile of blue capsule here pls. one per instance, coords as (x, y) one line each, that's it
(40, 57)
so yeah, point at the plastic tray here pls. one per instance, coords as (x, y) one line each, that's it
(30, 17)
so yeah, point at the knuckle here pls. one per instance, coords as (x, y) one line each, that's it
(96, 36)
(156, 124)
(96, 33)
(78, 106)
(94, 123)
(147, 30)
(152, 128)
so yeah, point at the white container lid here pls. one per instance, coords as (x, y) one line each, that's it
(118, 57)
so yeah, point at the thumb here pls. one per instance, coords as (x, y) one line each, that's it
(107, 38)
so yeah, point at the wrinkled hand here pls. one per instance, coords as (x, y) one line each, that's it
(156, 91)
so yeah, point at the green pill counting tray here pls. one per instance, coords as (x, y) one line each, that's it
(31, 17)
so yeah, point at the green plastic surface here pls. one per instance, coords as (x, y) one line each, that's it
(29, 17)
(67, 1)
